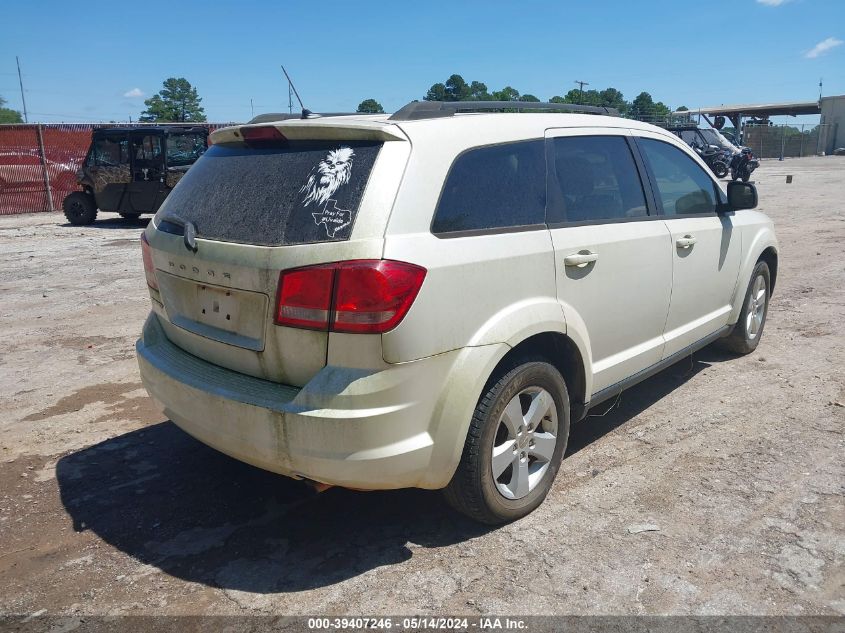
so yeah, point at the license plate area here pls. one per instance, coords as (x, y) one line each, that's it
(218, 308)
(231, 316)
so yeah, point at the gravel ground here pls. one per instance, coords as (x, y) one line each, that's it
(714, 487)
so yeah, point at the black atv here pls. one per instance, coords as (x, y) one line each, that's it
(130, 170)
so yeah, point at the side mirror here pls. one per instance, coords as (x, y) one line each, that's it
(741, 195)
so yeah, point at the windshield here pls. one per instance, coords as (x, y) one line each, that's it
(713, 137)
(691, 137)
(300, 193)
(185, 149)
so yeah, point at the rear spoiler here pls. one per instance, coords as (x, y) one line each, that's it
(318, 130)
(306, 114)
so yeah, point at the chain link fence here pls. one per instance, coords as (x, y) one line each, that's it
(788, 141)
(38, 165)
(39, 162)
(765, 140)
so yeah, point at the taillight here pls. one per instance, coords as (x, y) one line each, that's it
(149, 268)
(363, 296)
(305, 297)
(373, 295)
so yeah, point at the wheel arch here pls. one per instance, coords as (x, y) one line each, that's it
(762, 246)
(562, 353)
(472, 374)
(770, 256)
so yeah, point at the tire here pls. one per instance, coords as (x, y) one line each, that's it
(80, 208)
(746, 334)
(746, 176)
(500, 413)
(720, 169)
(130, 216)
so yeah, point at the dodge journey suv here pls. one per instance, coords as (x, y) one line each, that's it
(430, 299)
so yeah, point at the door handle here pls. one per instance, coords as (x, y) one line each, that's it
(685, 242)
(580, 259)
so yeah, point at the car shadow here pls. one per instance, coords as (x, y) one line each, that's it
(173, 503)
(115, 222)
(169, 501)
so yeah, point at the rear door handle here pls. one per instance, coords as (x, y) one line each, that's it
(580, 259)
(685, 242)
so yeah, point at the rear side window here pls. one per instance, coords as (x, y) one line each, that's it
(597, 180)
(683, 188)
(110, 151)
(300, 193)
(494, 187)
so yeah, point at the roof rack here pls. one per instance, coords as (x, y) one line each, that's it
(436, 109)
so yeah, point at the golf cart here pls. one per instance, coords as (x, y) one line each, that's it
(130, 170)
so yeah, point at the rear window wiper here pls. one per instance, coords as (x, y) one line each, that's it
(173, 224)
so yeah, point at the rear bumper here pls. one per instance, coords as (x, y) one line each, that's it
(361, 428)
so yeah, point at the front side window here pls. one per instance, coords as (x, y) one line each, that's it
(683, 187)
(110, 151)
(494, 187)
(597, 180)
(184, 149)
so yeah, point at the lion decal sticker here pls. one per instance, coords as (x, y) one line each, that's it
(329, 175)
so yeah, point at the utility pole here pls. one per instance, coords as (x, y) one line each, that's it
(820, 89)
(23, 99)
(252, 107)
(581, 85)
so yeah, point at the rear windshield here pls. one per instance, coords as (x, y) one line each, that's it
(301, 193)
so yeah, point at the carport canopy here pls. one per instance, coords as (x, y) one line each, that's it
(761, 110)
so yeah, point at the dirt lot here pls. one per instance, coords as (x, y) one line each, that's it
(108, 508)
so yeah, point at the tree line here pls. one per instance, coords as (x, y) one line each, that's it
(455, 88)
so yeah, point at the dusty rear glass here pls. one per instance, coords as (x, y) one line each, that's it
(298, 193)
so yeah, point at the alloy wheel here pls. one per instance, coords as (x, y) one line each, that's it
(525, 442)
(756, 308)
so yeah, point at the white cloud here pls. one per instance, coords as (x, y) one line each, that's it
(134, 93)
(823, 47)
(772, 3)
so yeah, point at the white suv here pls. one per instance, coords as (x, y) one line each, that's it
(429, 299)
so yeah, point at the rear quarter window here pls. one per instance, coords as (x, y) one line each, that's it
(300, 193)
(493, 187)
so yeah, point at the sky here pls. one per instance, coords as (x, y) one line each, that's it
(98, 61)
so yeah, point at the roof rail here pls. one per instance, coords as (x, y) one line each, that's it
(306, 114)
(436, 109)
